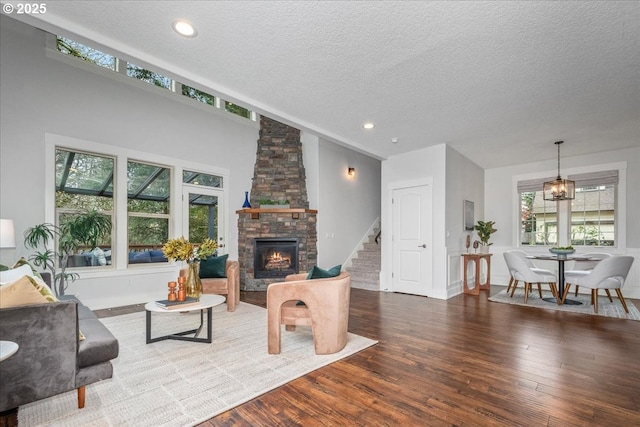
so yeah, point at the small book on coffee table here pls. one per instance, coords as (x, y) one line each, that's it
(177, 305)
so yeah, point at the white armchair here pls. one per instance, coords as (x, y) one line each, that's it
(521, 271)
(610, 273)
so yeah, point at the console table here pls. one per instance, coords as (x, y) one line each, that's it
(476, 258)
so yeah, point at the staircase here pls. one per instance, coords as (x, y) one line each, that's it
(365, 268)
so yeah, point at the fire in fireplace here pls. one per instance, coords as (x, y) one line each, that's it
(274, 257)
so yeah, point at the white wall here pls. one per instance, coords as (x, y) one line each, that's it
(499, 206)
(405, 169)
(347, 207)
(465, 181)
(44, 92)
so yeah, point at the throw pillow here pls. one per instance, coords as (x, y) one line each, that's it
(10, 276)
(214, 267)
(27, 290)
(318, 273)
(23, 261)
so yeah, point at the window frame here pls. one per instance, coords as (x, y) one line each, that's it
(564, 209)
(119, 265)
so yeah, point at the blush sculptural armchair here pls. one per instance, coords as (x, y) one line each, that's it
(325, 309)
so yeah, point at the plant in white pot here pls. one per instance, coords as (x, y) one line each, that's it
(485, 230)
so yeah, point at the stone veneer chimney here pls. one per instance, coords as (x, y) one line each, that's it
(278, 175)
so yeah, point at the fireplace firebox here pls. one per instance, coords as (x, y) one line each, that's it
(275, 257)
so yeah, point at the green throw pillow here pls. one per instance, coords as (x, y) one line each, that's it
(318, 273)
(214, 267)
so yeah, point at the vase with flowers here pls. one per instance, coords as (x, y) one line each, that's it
(181, 249)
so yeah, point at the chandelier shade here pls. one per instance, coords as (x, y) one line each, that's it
(559, 189)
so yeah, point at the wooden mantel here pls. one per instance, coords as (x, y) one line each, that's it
(295, 213)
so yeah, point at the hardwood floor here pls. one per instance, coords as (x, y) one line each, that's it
(463, 362)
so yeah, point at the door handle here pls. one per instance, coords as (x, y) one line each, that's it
(424, 245)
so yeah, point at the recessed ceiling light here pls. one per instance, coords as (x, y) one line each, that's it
(368, 125)
(395, 140)
(184, 28)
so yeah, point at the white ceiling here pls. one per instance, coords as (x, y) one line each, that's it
(498, 81)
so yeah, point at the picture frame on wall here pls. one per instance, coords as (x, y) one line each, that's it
(468, 215)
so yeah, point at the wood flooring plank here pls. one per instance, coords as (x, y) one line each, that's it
(462, 362)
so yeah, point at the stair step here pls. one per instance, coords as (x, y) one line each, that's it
(365, 268)
(371, 247)
(365, 276)
(369, 256)
(365, 265)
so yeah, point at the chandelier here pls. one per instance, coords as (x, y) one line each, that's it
(559, 189)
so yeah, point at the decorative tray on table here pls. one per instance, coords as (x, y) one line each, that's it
(562, 252)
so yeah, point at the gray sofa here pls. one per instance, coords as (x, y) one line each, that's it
(51, 358)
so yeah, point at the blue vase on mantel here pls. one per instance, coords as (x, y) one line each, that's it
(246, 204)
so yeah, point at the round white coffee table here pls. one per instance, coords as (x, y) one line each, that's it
(8, 349)
(207, 302)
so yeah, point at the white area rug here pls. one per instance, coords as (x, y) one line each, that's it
(605, 307)
(179, 383)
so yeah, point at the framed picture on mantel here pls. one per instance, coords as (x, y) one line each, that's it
(468, 216)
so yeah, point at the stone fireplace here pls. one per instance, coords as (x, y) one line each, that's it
(278, 175)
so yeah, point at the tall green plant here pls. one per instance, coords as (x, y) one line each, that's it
(86, 228)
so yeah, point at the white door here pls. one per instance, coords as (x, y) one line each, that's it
(203, 215)
(411, 240)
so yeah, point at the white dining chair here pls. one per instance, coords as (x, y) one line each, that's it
(610, 273)
(521, 271)
(524, 256)
(584, 267)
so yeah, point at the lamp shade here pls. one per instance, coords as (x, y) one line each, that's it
(7, 234)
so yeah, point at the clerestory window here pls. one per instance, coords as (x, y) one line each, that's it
(104, 60)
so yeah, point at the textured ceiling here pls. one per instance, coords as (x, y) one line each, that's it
(498, 81)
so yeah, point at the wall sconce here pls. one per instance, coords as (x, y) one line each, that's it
(351, 172)
(7, 234)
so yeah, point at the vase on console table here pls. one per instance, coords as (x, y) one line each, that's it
(193, 284)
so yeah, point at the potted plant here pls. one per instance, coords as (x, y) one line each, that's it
(181, 249)
(274, 204)
(81, 229)
(485, 230)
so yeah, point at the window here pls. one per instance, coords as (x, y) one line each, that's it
(539, 224)
(203, 206)
(148, 76)
(538, 217)
(93, 56)
(148, 194)
(84, 187)
(85, 178)
(593, 211)
(198, 178)
(236, 109)
(86, 53)
(198, 95)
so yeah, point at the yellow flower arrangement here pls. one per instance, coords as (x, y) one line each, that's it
(181, 249)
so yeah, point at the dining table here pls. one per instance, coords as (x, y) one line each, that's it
(561, 260)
